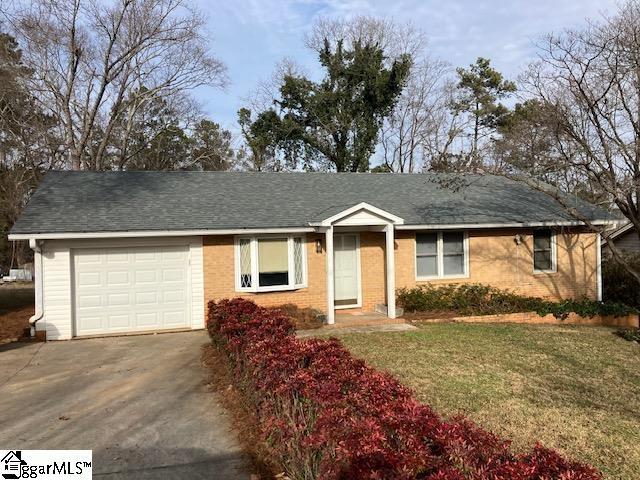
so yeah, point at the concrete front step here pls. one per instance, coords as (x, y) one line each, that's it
(382, 309)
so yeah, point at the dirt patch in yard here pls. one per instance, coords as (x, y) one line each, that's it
(242, 418)
(16, 306)
(14, 325)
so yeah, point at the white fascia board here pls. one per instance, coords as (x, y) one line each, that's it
(469, 226)
(314, 227)
(155, 233)
(356, 208)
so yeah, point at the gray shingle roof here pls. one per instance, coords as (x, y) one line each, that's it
(130, 201)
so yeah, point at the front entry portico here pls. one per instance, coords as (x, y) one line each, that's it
(343, 262)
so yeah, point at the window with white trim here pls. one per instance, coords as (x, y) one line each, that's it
(544, 251)
(441, 255)
(270, 263)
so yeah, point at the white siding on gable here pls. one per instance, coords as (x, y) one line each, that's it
(58, 294)
(361, 217)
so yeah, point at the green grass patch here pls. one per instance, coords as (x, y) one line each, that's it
(574, 388)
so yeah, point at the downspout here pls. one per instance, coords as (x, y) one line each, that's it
(38, 284)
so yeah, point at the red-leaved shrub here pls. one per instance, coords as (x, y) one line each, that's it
(327, 415)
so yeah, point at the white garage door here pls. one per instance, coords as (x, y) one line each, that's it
(131, 289)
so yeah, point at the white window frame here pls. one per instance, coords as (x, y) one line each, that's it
(440, 256)
(253, 246)
(554, 255)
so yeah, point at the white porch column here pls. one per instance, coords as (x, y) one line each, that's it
(391, 271)
(330, 289)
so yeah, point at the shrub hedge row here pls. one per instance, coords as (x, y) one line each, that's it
(478, 299)
(325, 415)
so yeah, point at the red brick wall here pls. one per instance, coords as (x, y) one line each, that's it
(495, 259)
(219, 279)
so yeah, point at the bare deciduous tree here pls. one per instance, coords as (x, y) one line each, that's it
(393, 38)
(96, 63)
(29, 144)
(414, 125)
(590, 80)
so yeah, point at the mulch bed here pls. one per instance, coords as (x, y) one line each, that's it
(302, 318)
(242, 419)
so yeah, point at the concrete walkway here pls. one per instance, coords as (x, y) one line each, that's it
(141, 403)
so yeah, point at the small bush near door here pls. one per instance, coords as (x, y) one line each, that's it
(618, 285)
(324, 414)
(478, 299)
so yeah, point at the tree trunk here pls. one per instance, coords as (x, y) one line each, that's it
(74, 159)
(474, 148)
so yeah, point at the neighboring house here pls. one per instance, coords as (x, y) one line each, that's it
(135, 251)
(625, 238)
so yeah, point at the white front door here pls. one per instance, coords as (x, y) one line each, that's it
(131, 289)
(346, 270)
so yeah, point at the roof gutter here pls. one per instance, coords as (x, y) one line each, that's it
(453, 226)
(313, 227)
(155, 233)
(38, 281)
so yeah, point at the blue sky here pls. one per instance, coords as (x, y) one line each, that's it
(251, 36)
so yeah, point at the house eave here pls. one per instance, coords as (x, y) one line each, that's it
(313, 227)
(471, 226)
(155, 233)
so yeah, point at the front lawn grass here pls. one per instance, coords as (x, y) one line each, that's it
(573, 388)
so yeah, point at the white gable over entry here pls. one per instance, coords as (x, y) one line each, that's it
(361, 214)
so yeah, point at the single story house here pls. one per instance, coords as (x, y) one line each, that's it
(138, 251)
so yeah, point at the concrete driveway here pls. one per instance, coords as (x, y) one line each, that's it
(141, 403)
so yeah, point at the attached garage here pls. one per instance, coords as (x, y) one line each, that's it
(119, 286)
(131, 289)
